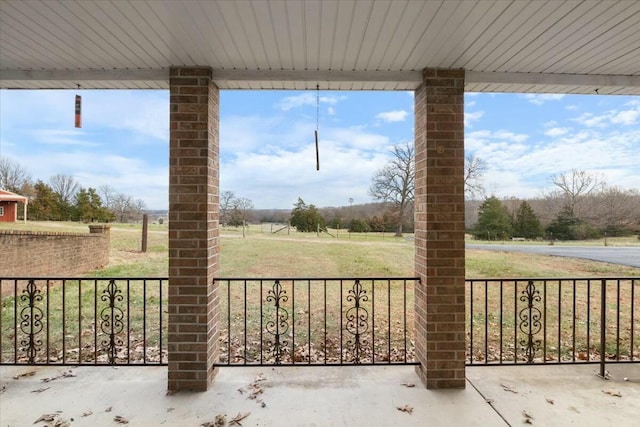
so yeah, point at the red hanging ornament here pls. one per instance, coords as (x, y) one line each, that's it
(78, 111)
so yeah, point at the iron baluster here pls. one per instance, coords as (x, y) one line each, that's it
(111, 318)
(280, 325)
(530, 317)
(357, 320)
(31, 320)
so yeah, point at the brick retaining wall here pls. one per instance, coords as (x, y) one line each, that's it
(53, 254)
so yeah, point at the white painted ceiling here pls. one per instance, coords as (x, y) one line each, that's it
(505, 46)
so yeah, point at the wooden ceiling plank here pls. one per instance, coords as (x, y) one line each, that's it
(237, 17)
(265, 33)
(109, 24)
(447, 40)
(384, 37)
(342, 31)
(542, 37)
(518, 22)
(156, 30)
(415, 37)
(439, 29)
(38, 41)
(360, 24)
(621, 39)
(456, 58)
(574, 41)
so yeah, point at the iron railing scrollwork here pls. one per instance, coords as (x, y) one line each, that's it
(111, 320)
(316, 321)
(83, 321)
(553, 321)
(530, 321)
(279, 326)
(31, 317)
(357, 320)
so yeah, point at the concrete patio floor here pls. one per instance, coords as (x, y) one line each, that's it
(322, 396)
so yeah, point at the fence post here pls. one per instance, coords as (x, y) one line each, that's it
(603, 326)
(145, 233)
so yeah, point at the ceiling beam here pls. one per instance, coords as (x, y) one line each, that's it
(408, 78)
(318, 76)
(550, 79)
(85, 75)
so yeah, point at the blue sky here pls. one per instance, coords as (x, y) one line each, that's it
(267, 145)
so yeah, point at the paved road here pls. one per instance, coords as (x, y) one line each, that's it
(616, 255)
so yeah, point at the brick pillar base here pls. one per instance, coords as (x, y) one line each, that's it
(193, 228)
(439, 229)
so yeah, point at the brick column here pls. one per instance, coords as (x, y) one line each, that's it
(193, 228)
(439, 229)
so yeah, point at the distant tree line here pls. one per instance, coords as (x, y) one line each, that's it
(580, 207)
(62, 198)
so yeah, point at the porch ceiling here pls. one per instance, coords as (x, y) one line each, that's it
(505, 46)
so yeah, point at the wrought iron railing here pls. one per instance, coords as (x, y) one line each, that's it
(547, 321)
(319, 321)
(78, 321)
(316, 321)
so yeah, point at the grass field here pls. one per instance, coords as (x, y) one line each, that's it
(256, 254)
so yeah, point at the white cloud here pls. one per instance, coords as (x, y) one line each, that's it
(617, 117)
(306, 99)
(556, 131)
(393, 116)
(62, 137)
(279, 178)
(592, 120)
(331, 111)
(627, 117)
(470, 117)
(541, 98)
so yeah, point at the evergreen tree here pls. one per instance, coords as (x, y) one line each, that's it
(306, 218)
(494, 221)
(526, 223)
(46, 205)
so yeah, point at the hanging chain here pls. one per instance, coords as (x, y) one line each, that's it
(317, 107)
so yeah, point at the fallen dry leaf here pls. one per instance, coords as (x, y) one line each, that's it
(171, 409)
(65, 374)
(108, 409)
(406, 408)
(3, 389)
(86, 414)
(219, 421)
(508, 388)
(612, 393)
(46, 418)
(259, 378)
(61, 422)
(527, 417)
(408, 385)
(550, 401)
(235, 421)
(25, 374)
(40, 390)
(120, 420)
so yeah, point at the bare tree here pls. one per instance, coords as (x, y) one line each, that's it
(395, 183)
(617, 208)
(12, 175)
(64, 186)
(474, 169)
(574, 187)
(108, 195)
(244, 205)
(226, 204)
